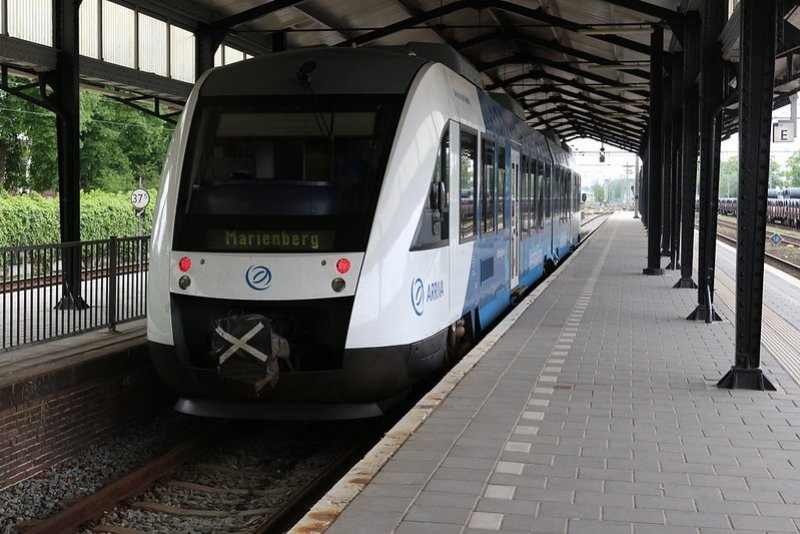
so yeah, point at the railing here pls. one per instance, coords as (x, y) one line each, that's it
(36, 305)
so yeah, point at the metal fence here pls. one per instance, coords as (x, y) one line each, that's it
(35, 304)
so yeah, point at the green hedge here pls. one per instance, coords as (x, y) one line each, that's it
(33, 220)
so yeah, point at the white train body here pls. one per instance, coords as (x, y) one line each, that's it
(457, 206)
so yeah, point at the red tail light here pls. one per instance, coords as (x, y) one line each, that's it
(185, 264)
(343, 265)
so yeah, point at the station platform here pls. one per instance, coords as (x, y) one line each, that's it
(593, 408)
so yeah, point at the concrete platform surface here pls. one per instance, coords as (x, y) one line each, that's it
(596, 411)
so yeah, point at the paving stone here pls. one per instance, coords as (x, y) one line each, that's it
(633, 515)
(779, 510)
(664, 503)
(696, 519)
(516, 506)
(588, 526)
(414, 527)
(538, 494)
(440, 498)
(381, 504)
(752, 495)
(772, 524)
(569, 511)
(499, 492)
(439, 514)
(392, 490)
(455, 486)
(544, 525)
(364, 522)
(645, 528)
(634, 488)
(554, 483)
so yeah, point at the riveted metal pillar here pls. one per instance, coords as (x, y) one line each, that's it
(666, 163)
(675, 158)
(755, 80)
(654, 153)
(689, 141)
(279, 42)
(711, 91)
(65, 99)
(206, 44)
(644, 181)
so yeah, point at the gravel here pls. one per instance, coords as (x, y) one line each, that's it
(271, 460)
(44, 495)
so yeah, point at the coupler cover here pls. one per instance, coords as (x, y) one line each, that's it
(247, 352)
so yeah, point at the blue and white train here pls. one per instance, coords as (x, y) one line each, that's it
(334, 223)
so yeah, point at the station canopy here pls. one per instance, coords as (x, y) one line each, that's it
(580, 68)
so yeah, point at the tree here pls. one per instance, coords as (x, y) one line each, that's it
(792, 172)
(729, 177)
(119, 144)
(27, 143)
(776, 178)
(598, 192)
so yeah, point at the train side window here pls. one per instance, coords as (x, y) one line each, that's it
(526, 195)
(523, 192)
(501, 186)
(548, 190)
(468, 159)
(540, 166)
(534, 194)
(487, 186)
(433, 227)
(567, 195)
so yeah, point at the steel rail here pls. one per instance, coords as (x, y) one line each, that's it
(93, 506)
(289, 513)
(775, 261)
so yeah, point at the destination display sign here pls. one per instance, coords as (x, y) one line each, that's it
(271, 240)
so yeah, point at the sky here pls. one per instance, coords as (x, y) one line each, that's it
(619, 162)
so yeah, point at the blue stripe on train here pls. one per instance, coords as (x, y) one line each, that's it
(488, 288)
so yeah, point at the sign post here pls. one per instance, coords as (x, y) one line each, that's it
(140, 198)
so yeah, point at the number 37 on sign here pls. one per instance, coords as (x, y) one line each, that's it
(140, 198)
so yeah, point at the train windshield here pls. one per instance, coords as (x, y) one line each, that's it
(284, 173)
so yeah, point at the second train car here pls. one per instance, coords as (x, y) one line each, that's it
(333, 223)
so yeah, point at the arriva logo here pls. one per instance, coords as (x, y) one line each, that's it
(258, 277)
(420, 294)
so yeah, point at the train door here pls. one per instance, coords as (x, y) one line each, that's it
(515, 219)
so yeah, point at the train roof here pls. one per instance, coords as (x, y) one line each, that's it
(330, 70)
(378, 70)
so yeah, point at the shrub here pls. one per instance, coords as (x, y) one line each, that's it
(34, 220)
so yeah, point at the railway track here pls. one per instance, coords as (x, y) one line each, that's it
(770, 259)
(166, 488)
(786, 240)
(204, 485)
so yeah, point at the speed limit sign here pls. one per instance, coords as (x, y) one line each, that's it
(140, 198)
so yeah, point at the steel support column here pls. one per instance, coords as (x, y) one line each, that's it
(666, 163)
(654, 153)
(65, 100)
(206, 44)
(711, 92)
(279, 42)
(755, 81)
(689, 147)
(643, 199)
(675, 155)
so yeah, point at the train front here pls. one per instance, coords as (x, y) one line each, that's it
(264, 213)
